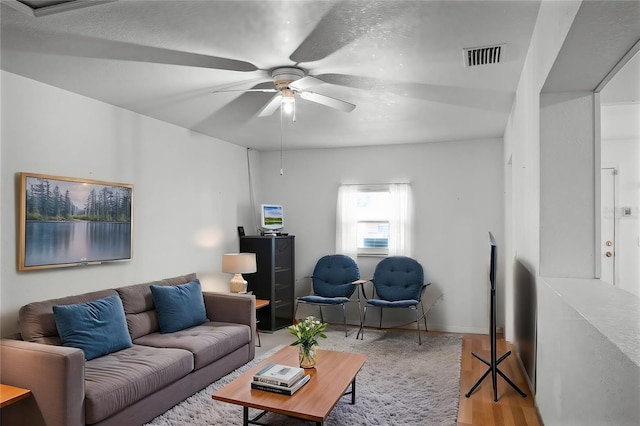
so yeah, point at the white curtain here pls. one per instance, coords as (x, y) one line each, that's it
(346, 221)
(400, 220)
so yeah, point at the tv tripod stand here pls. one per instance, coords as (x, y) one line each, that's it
(493, 363)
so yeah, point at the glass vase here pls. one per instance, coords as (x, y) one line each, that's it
(308, 356)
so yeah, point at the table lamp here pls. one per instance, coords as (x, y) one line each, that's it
(238, 264)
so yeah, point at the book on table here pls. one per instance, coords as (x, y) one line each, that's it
(279, 375)
(285, 390)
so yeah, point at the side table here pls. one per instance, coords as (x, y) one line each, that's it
(260, 303)
(11, 394)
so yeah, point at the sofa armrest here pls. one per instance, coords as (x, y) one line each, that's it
(233, 308)
(53, 374)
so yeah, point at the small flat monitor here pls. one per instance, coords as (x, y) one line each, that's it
(271, 217)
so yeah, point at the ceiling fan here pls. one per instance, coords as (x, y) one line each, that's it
(292, 81)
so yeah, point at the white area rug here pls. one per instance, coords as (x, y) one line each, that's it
(400, 384)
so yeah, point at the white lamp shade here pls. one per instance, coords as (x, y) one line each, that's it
(239, 263)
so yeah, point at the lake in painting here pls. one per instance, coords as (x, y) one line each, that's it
(76, 241)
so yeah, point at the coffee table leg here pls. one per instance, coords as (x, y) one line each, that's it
(353, 391)
(245, 416)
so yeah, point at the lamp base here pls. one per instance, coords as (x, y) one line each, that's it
(238, 284)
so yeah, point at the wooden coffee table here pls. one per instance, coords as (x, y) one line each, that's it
(330, 379)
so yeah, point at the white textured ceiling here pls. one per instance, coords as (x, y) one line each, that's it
(400, 62)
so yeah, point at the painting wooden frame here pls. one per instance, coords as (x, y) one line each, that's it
(66, 221)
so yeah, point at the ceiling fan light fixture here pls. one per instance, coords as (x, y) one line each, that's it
(288, 101)
(287, 106)
(292, 81)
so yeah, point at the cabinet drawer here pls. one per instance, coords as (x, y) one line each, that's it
(280, 302)
(282, 287)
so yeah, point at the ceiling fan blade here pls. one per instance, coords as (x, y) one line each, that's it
(224, 122)
(245, 90)
(235, 113)
(355, 81)
(257, 84)
(328, 36)
(271, 106)
(305, 83)
(494, 100)
(328, 101)
(90, 47)
(344, 23)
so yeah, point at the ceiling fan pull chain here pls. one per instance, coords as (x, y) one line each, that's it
(281, 169)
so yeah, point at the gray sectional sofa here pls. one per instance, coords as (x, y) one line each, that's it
(132, 385)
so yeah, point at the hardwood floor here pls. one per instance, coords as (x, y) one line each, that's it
(479, 408)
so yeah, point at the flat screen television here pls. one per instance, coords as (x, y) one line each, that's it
(493, 261)
(494, 361)
(493, 266)
(66, 221)
(271, 217)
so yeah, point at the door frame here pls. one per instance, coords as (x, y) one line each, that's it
(616, 229)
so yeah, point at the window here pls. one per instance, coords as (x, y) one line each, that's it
(373, 220)
(372, 215)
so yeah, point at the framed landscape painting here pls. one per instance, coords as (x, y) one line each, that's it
(67, 221)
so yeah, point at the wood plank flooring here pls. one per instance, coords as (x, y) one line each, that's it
(479, 408)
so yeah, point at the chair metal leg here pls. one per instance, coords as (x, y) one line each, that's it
(381, 309)
(344, 319)
(359, 313)
(295, 311)
(418, 325)
(364, 319)
(424, 317)
(321, 316)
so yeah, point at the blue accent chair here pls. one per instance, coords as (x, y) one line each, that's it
(333, 284)
(398, 282)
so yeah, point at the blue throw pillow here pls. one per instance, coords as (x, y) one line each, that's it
(179, 306)
(98, 327)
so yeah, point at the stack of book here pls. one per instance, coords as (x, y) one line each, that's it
(280, 379)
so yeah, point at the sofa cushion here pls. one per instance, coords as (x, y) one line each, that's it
(207, 342)
(115, 381)
(97, 327)
(139, 308)
(37, 322)
(179, 307)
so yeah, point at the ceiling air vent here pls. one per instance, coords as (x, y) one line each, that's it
(474, 56)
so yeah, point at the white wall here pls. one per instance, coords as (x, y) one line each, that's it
(590, 347)
(522, 165)
(567, 184)
(567, 347)
(190, 191)
(458, 197)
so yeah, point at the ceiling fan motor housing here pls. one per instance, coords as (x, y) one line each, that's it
(282, 77)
